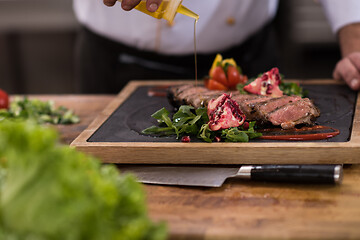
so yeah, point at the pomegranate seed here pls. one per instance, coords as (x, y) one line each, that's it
(218, 139)
(245, 126)
(264, 77)
(185, 139)
(269, 89)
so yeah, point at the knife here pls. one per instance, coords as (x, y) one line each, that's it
(214, 176)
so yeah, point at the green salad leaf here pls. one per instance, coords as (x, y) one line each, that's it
(206, 134)
(240, 88)
(234, 135)
(240, 134)
(195, 122)
(186, 120)
(49, 191)
(39, 111)
(291, 88)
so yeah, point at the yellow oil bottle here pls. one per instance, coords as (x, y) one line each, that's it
(167, 10)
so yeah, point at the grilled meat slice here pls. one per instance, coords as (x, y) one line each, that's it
(183, 94)
(262, 109)
(288, 116)
(286, 111)
(202, 99)
(248, 106)
(191, 95)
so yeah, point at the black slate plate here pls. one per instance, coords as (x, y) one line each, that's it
(336, 103)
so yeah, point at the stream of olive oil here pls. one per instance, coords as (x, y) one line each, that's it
(185, 11)
(196, 66)
(195, 54)
(182, 10)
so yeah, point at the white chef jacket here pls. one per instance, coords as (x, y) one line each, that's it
(222, 23)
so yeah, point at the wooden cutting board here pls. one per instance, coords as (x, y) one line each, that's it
(114, 136)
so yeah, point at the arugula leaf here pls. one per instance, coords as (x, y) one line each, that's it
(184, 121)
(205, 133)
(291, 88)
(165, 131)
(183, 115)
(251, 131)
(158, 114)
(239, 134)
(240, 88)
(162, 116)
(203, 113)
(234, 135)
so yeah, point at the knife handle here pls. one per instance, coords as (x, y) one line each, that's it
(297, 173)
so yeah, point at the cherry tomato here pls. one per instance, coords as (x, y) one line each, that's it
(214, 85)
(218, 75)
(4, 100)
(233, 76)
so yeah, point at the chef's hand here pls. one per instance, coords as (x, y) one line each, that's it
(348, 68)
(127, 5)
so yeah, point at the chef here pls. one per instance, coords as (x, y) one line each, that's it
(117, 46)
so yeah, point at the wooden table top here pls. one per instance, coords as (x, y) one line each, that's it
(240, 209)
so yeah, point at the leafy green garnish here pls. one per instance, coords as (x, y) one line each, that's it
(234, 135)
(49, 191)
(240, 134)
(185, 121)
(205, 133)
(291, 88)
(240, 88)
(188, 121)
(39, 111)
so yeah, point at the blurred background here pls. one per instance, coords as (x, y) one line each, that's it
(38, 37)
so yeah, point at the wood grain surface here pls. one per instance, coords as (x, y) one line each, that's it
(241, 209)
(204, 153)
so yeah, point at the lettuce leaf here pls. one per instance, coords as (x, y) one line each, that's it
(49, 191)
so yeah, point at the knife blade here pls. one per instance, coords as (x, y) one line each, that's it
(215, 176)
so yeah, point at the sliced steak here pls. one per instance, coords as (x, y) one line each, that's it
(248, 106)
(288, 116)
(263, 108)
(190, 92)
(202, 99)
(191, 95)
(182, 94)
(286, 111)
